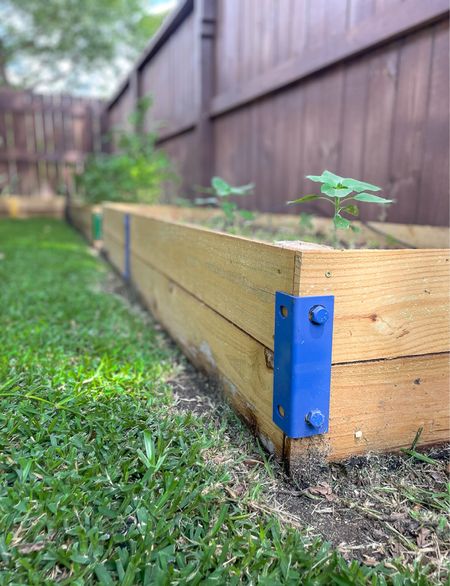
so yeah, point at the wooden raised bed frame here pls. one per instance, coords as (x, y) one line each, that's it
(214, 293)
(31, 206)
(86, 219)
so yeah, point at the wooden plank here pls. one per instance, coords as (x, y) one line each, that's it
(415, 235)
(433, 204)
(370, 33)
(388, 303)
(379, 406)
(215, 345)
(22, 206)
(81, 216)
(381, 96)
(235, 276)
(409, 122)
(114, 251)
(205, 55)
(113, 222)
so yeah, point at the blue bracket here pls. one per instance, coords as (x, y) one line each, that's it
(302, 364)
(126, 257)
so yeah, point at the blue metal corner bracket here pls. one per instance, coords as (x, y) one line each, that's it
(302, 364)
(126, 239)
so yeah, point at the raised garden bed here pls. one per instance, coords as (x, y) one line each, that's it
(215, 294)
(87, 219)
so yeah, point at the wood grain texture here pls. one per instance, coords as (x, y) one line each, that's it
(81, 216)
(236, 277)
(215, 345)
(114, 251)
(113, 222)
(21, 206)
(388, 303)
(42, 137)
(214, 294)
(324, 50)
(379, 406)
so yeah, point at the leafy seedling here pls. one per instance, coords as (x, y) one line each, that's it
(342, 193)
(221, 192)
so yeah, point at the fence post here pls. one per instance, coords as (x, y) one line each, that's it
(205, 14)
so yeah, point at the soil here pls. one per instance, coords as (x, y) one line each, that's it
(303, 230)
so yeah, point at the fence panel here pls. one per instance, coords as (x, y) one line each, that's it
(43, 138)
(267, 91)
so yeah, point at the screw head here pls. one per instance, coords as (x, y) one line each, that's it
(315, 418)
(318, 315)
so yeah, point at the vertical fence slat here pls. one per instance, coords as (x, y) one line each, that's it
(42, 138)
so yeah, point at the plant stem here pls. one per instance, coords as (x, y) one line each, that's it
(336, 211)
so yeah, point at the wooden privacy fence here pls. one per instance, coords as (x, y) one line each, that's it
(43, 138)
(270, 90)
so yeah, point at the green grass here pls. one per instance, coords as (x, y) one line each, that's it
(102, 480)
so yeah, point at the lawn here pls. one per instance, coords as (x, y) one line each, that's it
(104, 479)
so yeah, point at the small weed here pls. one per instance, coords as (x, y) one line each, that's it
(221, 193)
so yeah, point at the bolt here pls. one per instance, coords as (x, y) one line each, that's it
(315, 418)
(318, 315)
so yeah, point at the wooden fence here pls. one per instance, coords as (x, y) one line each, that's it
(267, 91)
(43, 138)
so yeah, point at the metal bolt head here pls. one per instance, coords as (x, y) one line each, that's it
(318, 315)
(315, 418)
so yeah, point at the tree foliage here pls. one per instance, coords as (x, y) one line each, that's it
(63, 40)
(134, 173)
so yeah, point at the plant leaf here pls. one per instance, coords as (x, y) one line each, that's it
(221, 187)
(354, 228)
(332, 191)
(370, 198)
(352, 210)
(242, 189)
(246, 214)
(332, 178)
(359, 186)
(341, 223)
(148, 443)
(326, 177)
(310, 197)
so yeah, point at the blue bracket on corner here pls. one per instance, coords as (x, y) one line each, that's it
(302, 364)
(126, 256)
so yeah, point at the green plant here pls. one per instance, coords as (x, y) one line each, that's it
(135, 172)
(340, 191)
(222, 191)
